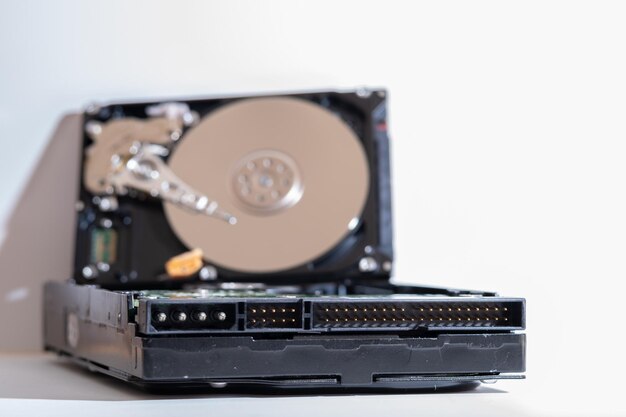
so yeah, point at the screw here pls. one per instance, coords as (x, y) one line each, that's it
(108, 204)
(368, 264)
(191, 118)
(92, 108)
(208, 273)
(90, 272)
(161, 317)
(363, 92)
(106, 223)
(103, 266)
(93, 128)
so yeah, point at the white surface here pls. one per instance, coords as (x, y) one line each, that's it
(509, 144)
(31, 386)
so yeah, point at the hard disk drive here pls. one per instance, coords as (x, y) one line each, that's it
(267, 188)
(247, 241)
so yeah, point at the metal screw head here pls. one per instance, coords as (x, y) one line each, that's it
(93, 128)
(201, 316)
(363, 92)
(92, 108)
(161, 317)
(106, 223)
(175, 135)
(220, 315)
(208, 273)
(103, 266)
(108, 203)
(191, 118)
(89, 272)
(368, 264)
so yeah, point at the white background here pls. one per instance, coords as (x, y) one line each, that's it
(508, 131)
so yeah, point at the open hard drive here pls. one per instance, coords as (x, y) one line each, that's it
(247, 241)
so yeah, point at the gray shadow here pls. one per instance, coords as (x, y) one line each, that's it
(39, 238)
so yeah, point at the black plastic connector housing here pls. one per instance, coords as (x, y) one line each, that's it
(443, 313)
(194, 316)
(274, 315)
(340, 314)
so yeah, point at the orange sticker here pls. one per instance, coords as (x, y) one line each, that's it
(185, 264)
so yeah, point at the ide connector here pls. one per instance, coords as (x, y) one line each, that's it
(465, 315)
